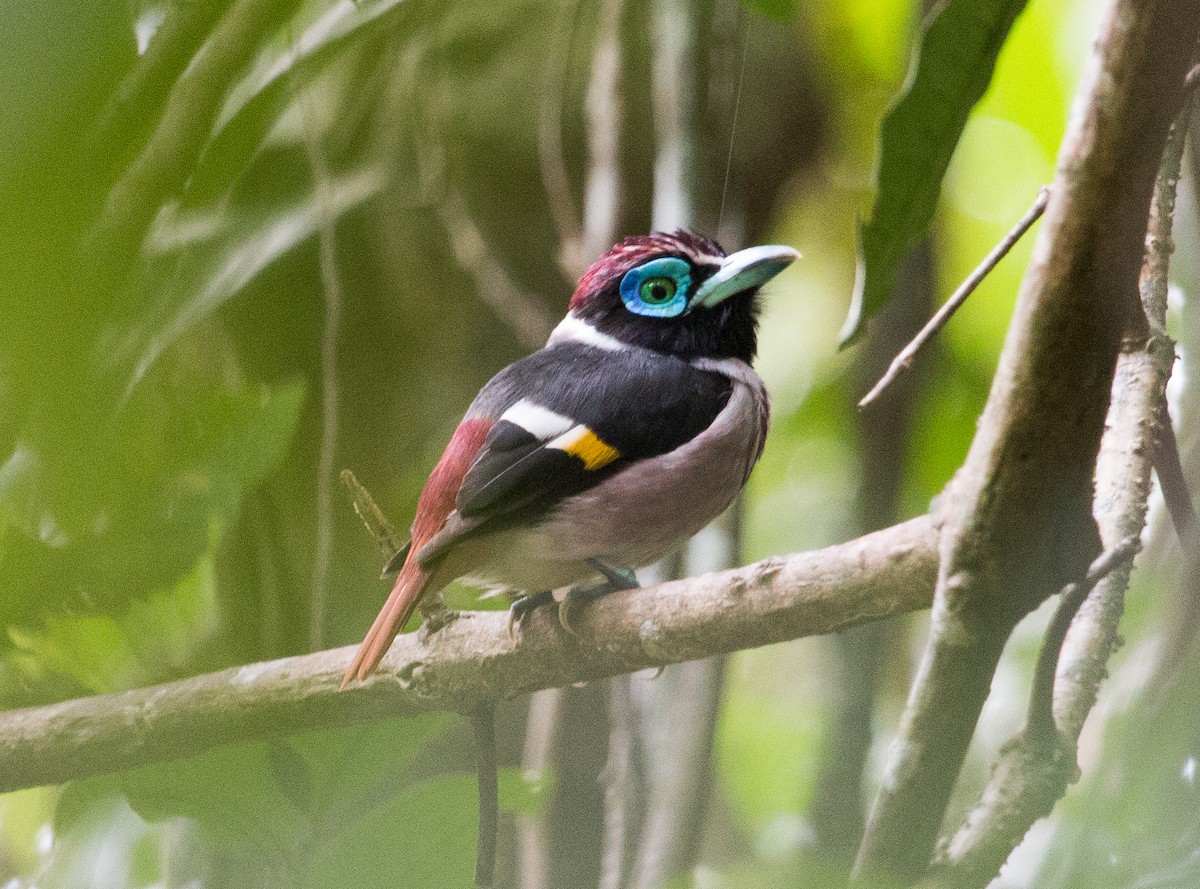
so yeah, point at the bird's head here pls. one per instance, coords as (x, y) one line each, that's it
(679, 294)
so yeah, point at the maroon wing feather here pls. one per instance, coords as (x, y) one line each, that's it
(435, 505)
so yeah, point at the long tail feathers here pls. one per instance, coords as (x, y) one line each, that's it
(392, 617)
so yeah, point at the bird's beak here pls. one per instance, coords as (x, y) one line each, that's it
(744, 271)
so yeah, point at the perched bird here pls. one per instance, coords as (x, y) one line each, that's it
(636, 425)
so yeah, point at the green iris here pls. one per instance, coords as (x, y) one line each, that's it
(657, 291)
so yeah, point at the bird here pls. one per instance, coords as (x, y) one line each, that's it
(636, 425)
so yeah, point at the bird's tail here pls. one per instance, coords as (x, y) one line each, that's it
(400, 605)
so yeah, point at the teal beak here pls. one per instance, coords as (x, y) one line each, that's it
(743, 271)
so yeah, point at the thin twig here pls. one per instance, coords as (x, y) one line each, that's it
(377, 524)
(1041, 697)
(672, 101)
(1152, 286)
(904, 360)
(1171, 478)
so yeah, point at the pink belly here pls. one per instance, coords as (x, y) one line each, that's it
(640, 514)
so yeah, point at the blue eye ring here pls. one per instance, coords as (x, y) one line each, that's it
(657, 289)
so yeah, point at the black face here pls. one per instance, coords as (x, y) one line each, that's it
(643, 293)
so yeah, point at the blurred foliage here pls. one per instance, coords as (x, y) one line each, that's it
(951, 71)
(161, 379)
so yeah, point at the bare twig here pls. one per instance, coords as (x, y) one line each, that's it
(473, 660)
(1018, 518)
(903, 361)
(1171, 479)
(1041, 698)
(386, 537)
(1160, 244)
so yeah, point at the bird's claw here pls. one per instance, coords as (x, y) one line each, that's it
(521, 608)
(565, 609)
(615, 579)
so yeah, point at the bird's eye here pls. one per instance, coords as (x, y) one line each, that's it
(656, 291)
(657, 288)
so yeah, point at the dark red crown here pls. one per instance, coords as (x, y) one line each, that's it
(637, 249)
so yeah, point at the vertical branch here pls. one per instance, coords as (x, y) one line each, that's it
(1017, 517)
(674, 716)
(558, 848)
(625, 789)
(550, 148)
(544, 708)
(331, 289)
(672, 74)
(677, 719)
(1035, 767)
(602, 107)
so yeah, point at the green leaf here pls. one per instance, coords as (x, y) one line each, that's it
(90, 523)
(314, 808)
(337, 807)
(98, 653)
(215, 253)
(959, 47)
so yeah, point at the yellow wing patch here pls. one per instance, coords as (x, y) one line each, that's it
(585, 444)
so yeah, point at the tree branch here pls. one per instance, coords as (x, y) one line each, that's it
(1018, 514)
(1034, 768)
(474, 661)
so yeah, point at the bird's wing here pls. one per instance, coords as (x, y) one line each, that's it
(566, 418)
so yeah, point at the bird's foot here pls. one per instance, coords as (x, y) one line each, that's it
(521, 608)
(615, 579)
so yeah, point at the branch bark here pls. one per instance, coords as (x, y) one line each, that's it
(1018, 513)
(473, 661)
(1035, 767)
